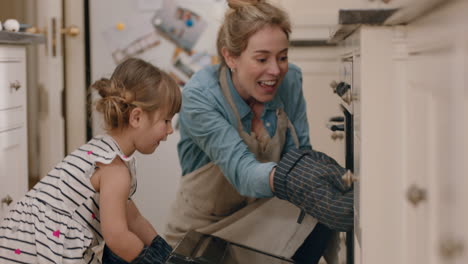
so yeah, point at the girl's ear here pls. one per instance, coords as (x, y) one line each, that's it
(135, 117)
(230, 60)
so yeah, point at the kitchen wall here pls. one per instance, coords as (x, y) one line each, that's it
(158, 173)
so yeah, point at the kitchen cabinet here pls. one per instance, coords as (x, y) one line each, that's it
(409, 103)
(13, 117)
(434, 98)
(313, 19)
(13, 126)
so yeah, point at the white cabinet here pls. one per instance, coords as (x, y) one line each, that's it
(13, 138)
(434, 128)
(410, 91)
(314, 19)
(374, 103)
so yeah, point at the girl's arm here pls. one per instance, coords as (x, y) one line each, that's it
(114, 182)
(139, 225)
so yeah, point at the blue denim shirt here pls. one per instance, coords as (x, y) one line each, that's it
(208, 129)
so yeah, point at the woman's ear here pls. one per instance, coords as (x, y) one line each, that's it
(230, 60)
(135, 117)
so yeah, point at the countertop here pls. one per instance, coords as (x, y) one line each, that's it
(21, 38)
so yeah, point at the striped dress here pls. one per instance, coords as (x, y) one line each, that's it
(58, 220)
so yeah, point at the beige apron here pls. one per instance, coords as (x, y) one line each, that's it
(208, 203)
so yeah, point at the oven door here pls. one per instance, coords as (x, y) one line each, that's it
(197, 248)
(349, 161)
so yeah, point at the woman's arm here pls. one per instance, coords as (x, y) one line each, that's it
(202, 121)
(114, 181)
(139, 225)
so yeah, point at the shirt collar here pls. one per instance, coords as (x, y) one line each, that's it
(118, 149)
(242, 106)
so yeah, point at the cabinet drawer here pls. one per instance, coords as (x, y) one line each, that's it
(12, 118)
(12, 83)
(13, 167)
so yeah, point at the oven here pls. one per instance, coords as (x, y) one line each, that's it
(343, 88)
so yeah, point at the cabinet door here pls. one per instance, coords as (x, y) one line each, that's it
(14, 167)
(434, 166)
(12, 83)
(435, 131)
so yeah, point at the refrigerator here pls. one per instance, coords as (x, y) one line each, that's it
(178, 36)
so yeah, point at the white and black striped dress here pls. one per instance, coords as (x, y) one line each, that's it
(58, 220)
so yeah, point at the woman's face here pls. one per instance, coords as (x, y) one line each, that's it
(261, 67)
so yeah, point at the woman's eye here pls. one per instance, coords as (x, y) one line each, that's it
(261, 60)
(284, 58)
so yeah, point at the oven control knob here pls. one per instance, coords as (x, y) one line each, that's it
(333, 86)
(336, 136)
(348, 178)
(334, 127)
(338, 119)
(342, 88)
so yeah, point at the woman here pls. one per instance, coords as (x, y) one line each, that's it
(237, 120)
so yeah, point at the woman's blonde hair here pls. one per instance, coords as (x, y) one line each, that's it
(136, 83)
(245, 18)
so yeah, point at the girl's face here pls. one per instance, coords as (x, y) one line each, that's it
(154, 129)
(261, 67)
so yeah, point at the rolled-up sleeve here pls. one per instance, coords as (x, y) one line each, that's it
(312, 181)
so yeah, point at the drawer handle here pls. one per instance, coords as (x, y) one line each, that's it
(7, 200)
(15, 85)
(416, 195)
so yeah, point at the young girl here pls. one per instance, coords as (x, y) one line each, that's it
(82, 211)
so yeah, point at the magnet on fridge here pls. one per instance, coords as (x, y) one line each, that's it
(120, 26)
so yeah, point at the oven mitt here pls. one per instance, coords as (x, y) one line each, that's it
(157, 252)
(311, 180)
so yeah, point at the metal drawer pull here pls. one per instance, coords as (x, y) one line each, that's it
(451, 249)
(7, 200)
(416, 195)
(348, 178)
(15, 85)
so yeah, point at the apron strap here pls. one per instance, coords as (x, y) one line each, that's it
(293, 133)
(227, 94)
